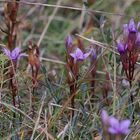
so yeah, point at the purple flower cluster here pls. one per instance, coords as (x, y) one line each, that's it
(129, 49)
(132, 36)
(115, 126)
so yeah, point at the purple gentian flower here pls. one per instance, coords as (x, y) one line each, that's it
(121, 47)
(119, 127)
(78, 55)
(14, 54)
(69, 41)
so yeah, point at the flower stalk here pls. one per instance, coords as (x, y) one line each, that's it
(72, 71)
(74, 56)
(12, 52)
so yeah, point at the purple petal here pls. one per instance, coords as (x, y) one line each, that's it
(78, 51)
(86, 55)
(79, 54)
(126, 46)
(73, 55)
(125, 30)
(112, 130)
(121, 48)
(125, 131)
(6, 52)
(15, 53)
(104, 116)
(124, 125)
(132, 26)
(114, 122)
(17, 50)
(69, 41)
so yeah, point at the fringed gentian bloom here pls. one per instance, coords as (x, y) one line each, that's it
(14, 55)
(121, 47)
(119, 127)
(115, 126)
(78, 55)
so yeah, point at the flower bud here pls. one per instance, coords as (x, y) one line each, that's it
(69, 41)
(121, 47)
